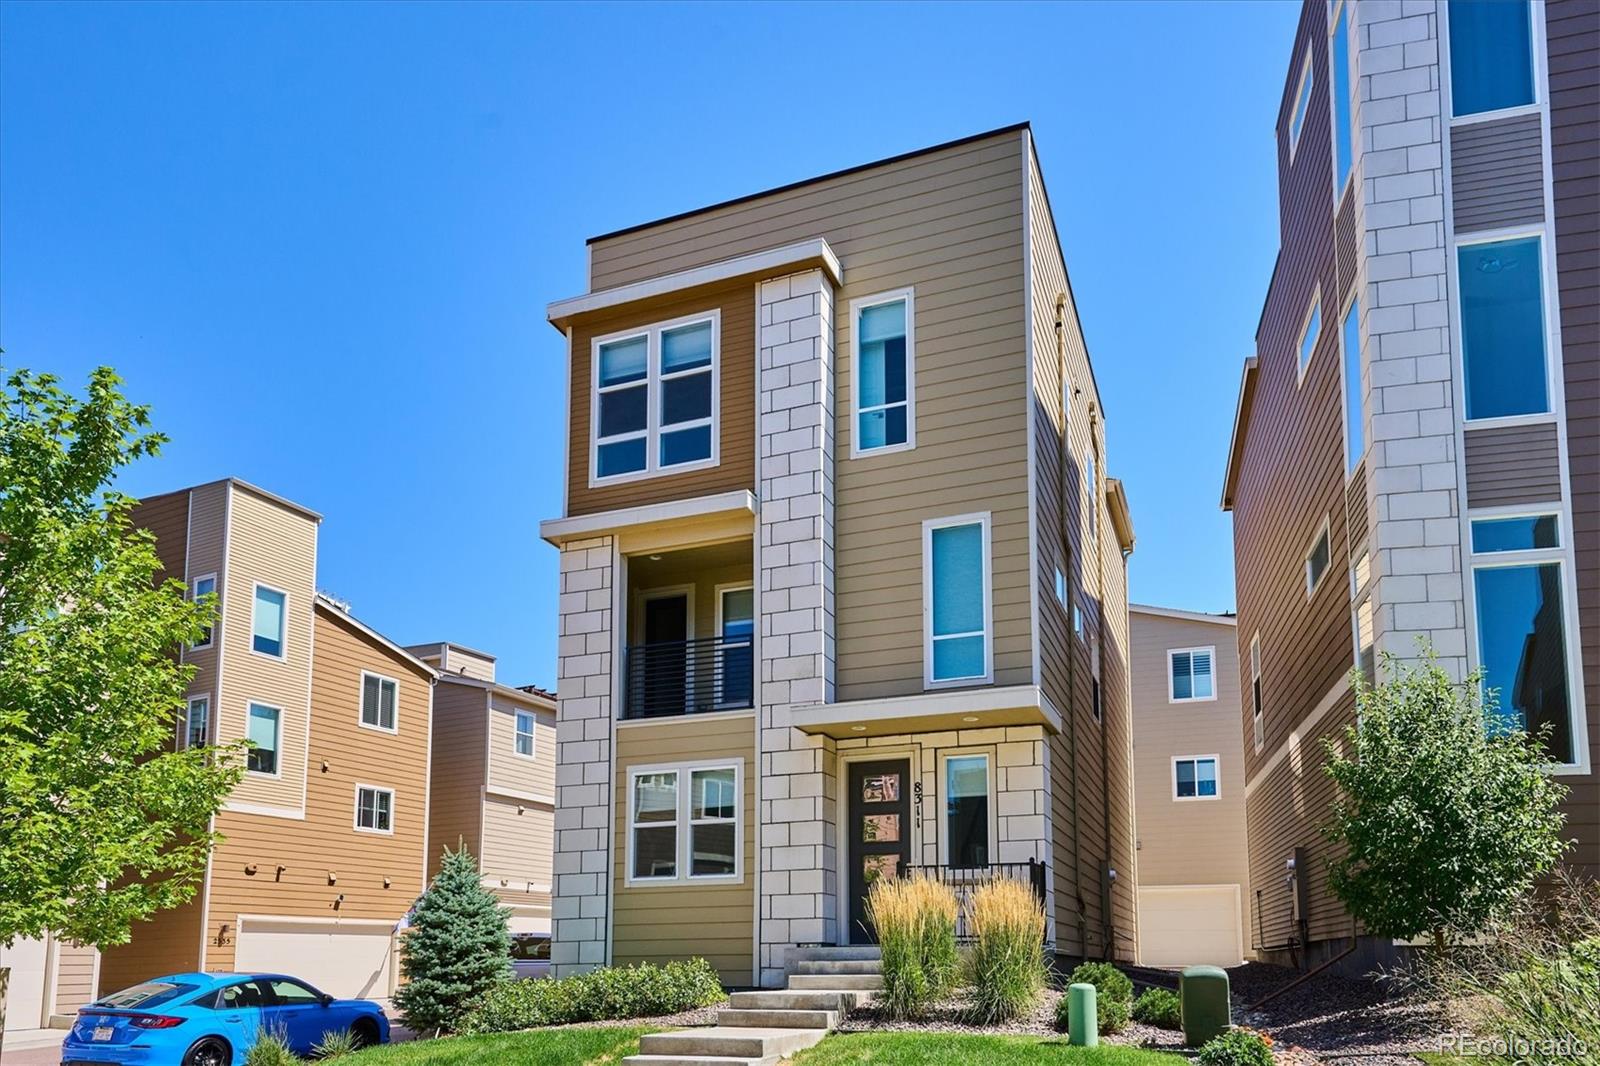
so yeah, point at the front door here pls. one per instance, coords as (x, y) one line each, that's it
(879, 831)
(664, 677)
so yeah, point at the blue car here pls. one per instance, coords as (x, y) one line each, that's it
(209, 1019)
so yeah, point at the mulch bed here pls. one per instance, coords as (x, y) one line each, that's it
(950, 1016)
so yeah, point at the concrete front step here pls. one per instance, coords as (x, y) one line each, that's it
(779, 1019)
(734, 1042)
(839, 966)
(853, 953)
(833, 999)
(835, 982)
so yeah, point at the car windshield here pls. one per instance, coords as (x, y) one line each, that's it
(149, 994)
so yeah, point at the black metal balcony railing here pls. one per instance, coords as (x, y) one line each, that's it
(688, 677)
(965, 880)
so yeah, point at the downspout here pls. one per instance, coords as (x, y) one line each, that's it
(1064, 544)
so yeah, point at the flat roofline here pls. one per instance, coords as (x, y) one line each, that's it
(416, 648)
(1190, 616)
(243, 484)
(958, 142)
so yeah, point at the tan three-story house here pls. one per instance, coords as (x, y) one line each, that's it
(843, 582)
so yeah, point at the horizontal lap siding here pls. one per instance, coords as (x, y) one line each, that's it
(1513, 464)
(169, 942)
(660, 924)
(1573, 31)
(74, 976)
(325, 843)
(460, 747)
(518, 842)
(1497, 174)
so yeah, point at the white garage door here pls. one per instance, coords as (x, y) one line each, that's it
(1189, 925)
(24, 1004)
(345, 959)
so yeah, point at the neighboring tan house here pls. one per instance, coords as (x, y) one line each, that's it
(324, 845)
(843, 579)
(1188, 787)
(494, 782)
(1414, 449)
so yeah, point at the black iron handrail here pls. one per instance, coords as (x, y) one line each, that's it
(688, 677)
(965, 880)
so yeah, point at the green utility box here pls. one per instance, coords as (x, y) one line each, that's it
(1203, 994)
(1083, 1016)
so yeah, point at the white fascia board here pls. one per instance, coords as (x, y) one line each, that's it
(559, 530)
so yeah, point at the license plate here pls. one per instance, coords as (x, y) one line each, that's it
(103, 1032)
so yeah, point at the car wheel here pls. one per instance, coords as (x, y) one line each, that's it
(364, 1033)
(211, 1051)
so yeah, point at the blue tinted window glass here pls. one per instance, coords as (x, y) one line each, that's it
(1522, 652)
(883, 322)
(1205, 771)
(685, 399)
(1308, 341)
(957, 657)
(623, 457)
(1502, 326)
(1515, 534)
(262, 731)
(1491, 55)
(685, 446)
(685, 348)
(1341, 99)
(957, 580)
(1202, 675)
(622, 411)
(623, 361)
(1185, 778)
(873, 430)
(1354, 421)
(1182, 682)
(267, 624)
(883, 372)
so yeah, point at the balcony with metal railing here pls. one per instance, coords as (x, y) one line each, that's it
(688, 677)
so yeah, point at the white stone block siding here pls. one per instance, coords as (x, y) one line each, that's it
(795, 604)
(584, 716)
(1413, 502)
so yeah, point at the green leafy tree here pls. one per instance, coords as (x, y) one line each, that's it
(1446, 822)
(456, 947)
(101, 824)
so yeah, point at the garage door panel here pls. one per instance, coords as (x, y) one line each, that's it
(344, 961)
(24, 1007)
(1189, 925)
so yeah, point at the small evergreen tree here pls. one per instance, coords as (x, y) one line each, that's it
(1446, 816)
(456, 947)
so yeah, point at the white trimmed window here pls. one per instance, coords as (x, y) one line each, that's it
(1361, 597)
(374, 809)
(685, 823)
(1310, 330)
(957, 601)
(1194, 777)
(969, 814)
(197, 722)
(1061, 587)
(525, 727)
(204, 585)
(1189, 677)
(883, 392)
(379, 701)
(655, 408)
(262, 730)
(1302, 105)
(266, 621)
(1257, 723)
(1317, 559)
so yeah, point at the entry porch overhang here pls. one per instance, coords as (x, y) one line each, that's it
(929, 712)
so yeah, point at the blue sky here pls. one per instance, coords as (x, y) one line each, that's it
(319, 239)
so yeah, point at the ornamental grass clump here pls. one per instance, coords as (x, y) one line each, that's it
(1006, 967)
(915, 918)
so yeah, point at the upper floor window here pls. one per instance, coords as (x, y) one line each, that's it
(197, 722)
(884, 394)
(684, 823)
(1491, 56)
(1189, 675)
(1061, 587)
(1309, 332)
(1257, 724)
(655, 399)
(374, 809)
(1361, 593)
(1302, 105)
(266, 621)
(524, 741)
(204, 586)
(1502, 328)
(1354, 399)
(1194, 777)
(262, 731)
(1342, 132)
(1317, 559)
(956, 597)
(378, 698)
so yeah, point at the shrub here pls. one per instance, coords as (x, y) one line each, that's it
(1113, 995)
(1238, 1046)
(1159, 1007)
(271, 1049)
(915, 918)
(1006, 966)
(456, 948)
(637, 991)
(335, 1042)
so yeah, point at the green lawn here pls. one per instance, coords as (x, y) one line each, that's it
(543, 1047)
(951, 1049)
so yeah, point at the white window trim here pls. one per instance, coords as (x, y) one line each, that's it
(1216, 763)
(517, 716)
(1258, 725)
(1323, 530)
(717, 592)
(1563, 556)
(1536, 42)
(1306, 87)
(277, 739)
(1360, 595)
(684, 825)
(1338, 9)
(1172, 653)
(907, 294)
(283, 623)
(1351, 461)
(942, 792)
(653, 392)
(981, 519)
(1550, 318)
(216, 620)
(361, 708)
(355, 817)
(1302, 368)
(188, 713)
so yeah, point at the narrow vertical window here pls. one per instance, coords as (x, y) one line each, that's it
(885, 371)
(966, 789)
(1342, 134)
(1309, 332)
(1361, 593)
(1091, 487)
(1317, 559)
(378, 695)
(203, 587)
(686, 357)
(956, 599)
(524, 738)
(197, 722)
(1502, 328)
(262, 733)
(1257, 724)
(1302, 105)
(735, 655)
(1354, 398)
(623, 401)
(1061, 587)
(1491, 55)
(1189, 675)
(266, 622)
